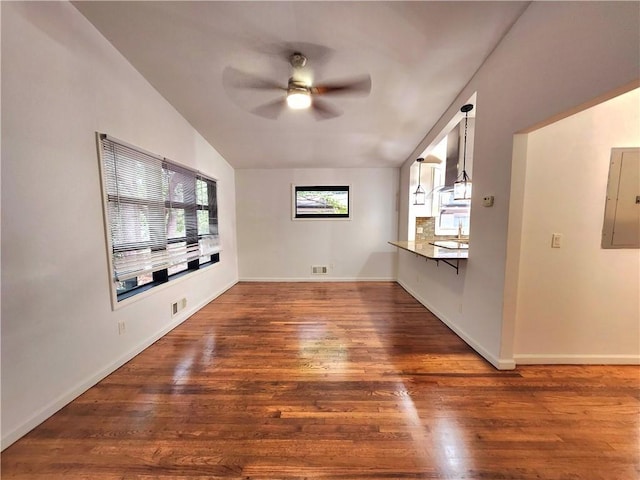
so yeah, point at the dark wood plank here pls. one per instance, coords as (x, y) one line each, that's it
(334, 381)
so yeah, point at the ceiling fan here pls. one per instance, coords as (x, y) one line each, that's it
(299, 92)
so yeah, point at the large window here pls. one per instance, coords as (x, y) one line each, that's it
(162, 218)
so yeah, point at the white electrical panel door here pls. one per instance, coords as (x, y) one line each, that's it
(622, 210)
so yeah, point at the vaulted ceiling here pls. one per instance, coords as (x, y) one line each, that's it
(419, 56)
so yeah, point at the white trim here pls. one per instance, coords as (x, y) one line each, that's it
(107, 228)
(573, 359)
(53, 406)
(324, 278)
(499, 363)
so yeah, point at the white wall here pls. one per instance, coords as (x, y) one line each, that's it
(272, 246)
(62, 82)
(547, 64)
(579, 303)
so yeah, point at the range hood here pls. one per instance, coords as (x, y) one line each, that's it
(453, 157)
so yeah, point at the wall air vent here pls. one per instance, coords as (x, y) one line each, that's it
(319, 269)
(177, 306)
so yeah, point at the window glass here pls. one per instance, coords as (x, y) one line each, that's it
(453, 216)
(321, 201)
(175, 223)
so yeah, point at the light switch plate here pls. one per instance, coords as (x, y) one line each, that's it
(556, 240)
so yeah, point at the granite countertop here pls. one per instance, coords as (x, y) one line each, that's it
(425, 249)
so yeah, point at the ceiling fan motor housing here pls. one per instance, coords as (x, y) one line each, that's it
(296, 85)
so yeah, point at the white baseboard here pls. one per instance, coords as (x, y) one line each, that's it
(67, 397)
(318, 278)
(564, 359)
(499, 363)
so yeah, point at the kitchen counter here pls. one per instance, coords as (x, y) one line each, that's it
(449, 256)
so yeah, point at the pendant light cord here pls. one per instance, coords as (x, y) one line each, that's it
(466, 109)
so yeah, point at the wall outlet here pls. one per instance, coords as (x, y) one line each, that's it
(419, 230)
(556, 240)
(488, 201)
(121, 327)
(319, 269)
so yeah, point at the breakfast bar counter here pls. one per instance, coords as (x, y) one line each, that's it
(450, 256)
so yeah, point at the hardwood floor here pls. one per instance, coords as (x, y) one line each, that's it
(346, 381)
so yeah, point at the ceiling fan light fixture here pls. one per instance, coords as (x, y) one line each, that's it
(298, 98)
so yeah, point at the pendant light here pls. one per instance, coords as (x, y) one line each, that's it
(462, 187)
(420, 195)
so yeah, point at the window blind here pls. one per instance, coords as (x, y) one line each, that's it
(160, 214)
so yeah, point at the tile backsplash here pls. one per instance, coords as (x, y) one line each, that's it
(428, 225)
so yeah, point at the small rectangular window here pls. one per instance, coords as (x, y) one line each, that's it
(161, 217)
(453, 215)
(321, 201)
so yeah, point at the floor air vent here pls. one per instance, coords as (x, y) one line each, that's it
(319, 269)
